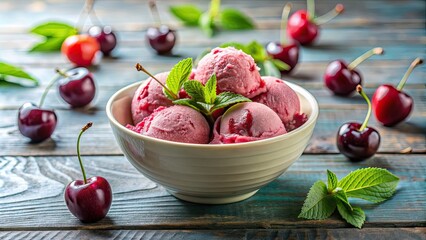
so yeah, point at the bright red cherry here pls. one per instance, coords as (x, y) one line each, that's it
(286, 52)
(82, 50)
(89, 199)
(77, 86)
(161, 38)
(105, 37)
(391, 105)
(358, 142)
(341, 78)
(303, 26)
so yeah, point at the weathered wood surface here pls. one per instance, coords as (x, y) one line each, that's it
(32, 196)
(33, 176)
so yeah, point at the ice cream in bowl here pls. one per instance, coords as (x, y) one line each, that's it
(213, 147)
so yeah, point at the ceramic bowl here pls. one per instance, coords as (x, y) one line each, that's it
(207, 173)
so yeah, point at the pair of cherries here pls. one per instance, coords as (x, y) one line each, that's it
(391, 106)
(303, 28)
(75, 86)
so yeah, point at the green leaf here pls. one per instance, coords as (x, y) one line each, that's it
(256, 50)
(226, 99)
(280, 64)
(236, 45)
(189, 14)
(190, 103)
(206, 24)
(341, 195)
(210, 90)
(232, 19)
(271, 70)
(178, 76)
(10, 70)
(332, 180)
(48, 45)
(261, 67)
(195, 89)
(371, 184)
(54, 29)
(318, 204)
(355, 217)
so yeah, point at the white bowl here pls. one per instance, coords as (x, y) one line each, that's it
(207, 173)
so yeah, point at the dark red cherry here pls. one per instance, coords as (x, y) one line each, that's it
(105, 37)
(77, 86)
(36, 123)
(342, 79)
(358, 141)
(161, 39)
(391, 105)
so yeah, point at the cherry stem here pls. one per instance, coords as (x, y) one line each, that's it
(338, 9)
(85, 11)
(87, 126)
(363, 57)
(46, 90)
(140, 68)
(311, 9)
(362, 93)
(284, 20)
(62, 73)
(154, 12)
(414, 64)
(214, 8)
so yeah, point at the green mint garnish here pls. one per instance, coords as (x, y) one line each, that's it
(212, 19)
(372, 184)
(54, 34)
(8, 70)
(268, 66)
(177, 77)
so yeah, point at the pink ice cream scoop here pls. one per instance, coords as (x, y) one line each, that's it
(148, 97)
(176, 123)
(245, 122)
(283, 100)
(235, 72)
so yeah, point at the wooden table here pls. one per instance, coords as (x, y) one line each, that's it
(33, 176)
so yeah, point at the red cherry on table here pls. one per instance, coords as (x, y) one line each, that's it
(287, 52)
(82, 50)
(358, 142)
(105, 37)
(89, 199)
(303, 26)
(341, 78)
(77, 86)
(161, 38)
(391, 105)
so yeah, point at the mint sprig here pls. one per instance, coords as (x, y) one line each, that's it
(212, 19)
(177, 77)
(54, 34)
(268, 66)
(372, 184)
(23, 78)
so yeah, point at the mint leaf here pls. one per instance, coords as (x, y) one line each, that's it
(10, 70)
(280, 64)
(190, 103)
(226, 99)
(236, 45)
(177, 77)
(187, 13)
(54, 29)
(206, 24)
(332, 180)
(48, 45)
(341, 195)
(256, 50)
(233, 19)
(195, 90)
(355, 216)
(371, 184)
(210, 90)
(318, 204)
(270, 69)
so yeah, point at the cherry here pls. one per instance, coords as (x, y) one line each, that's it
(82, 50)
(391, 105)
(105, 37)
(356, 141)
(161, 38)
(89, 199)
(77, 86)
(303, 26)
(342, 79)
(35, 122)
(286, 52)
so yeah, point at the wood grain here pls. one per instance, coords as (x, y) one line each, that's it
(32, 196)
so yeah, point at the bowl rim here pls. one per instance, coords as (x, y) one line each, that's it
(298, 89)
